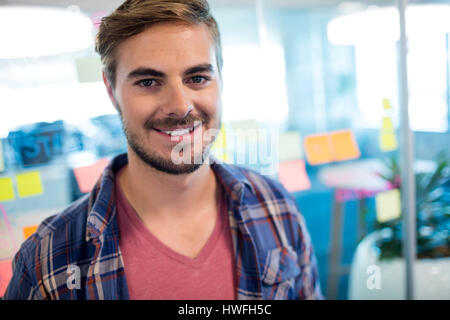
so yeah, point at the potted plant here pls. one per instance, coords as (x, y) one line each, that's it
(381, 251)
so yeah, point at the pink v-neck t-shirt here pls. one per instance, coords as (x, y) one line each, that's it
(156, 272)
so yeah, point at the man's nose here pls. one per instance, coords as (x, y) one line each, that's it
(177, 104)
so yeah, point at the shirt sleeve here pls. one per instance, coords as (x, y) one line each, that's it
(308, 284)
(22, 286)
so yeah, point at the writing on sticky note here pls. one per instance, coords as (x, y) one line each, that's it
(344, 145)
(29, 184)
(28, 231)
(318, 149)
(5, 275)
(6, 189)
(293, 176)
(2, 161)
(87, 176)
(290, 146)
(388, 205)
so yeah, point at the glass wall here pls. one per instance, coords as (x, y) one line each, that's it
(312, 97)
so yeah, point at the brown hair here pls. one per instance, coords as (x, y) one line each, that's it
(135, 16)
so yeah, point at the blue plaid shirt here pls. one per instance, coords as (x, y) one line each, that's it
(273, 250)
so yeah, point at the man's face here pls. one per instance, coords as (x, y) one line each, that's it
(167, 83)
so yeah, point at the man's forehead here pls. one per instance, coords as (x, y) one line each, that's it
(167, 43)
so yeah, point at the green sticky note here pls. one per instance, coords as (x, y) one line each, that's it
(89, 69)
(6, 189)
(290, 146)
(388, 205)
(29, 184)
(244, 132)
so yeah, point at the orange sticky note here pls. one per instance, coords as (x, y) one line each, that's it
(28, 231)
(5, 275)
(344, 145)
(29, 184)
(87, 176)
(318, 149)
(6, 189)
(293, 176)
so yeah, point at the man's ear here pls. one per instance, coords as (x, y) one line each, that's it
(109, 89)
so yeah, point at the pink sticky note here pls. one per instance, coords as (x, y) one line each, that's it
(293, 175)
(87, 176)
(5, 275)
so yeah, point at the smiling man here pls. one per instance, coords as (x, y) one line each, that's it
(155, 227)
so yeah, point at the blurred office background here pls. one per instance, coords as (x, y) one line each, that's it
(318, 79)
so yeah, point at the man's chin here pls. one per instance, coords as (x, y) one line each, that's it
(169, 165)
(174, 169)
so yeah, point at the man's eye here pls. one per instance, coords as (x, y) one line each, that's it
(146, 83)
(199, 79)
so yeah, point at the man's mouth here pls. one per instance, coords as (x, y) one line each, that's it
(180, 130)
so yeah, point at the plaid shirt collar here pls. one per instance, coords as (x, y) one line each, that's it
(100, 204)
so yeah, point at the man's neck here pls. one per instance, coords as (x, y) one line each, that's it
(156, 195)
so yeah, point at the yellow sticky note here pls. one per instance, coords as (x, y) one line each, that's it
(387, 124)
(386, 104)
(388, 141)
(290, 146)
(6, 189)
(293, 176)
(221, 140)
(2, 161)
(344, 145)
(318, 149)
(219, 147)
(89, 69)
(388, 205)
(28, 231)
(29, 184)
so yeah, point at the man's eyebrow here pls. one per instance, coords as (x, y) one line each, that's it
(145, 72)
(149, 72)
(206, 67)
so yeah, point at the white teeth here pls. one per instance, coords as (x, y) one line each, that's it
(179, 132)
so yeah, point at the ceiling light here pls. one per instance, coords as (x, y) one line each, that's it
(27, 31)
